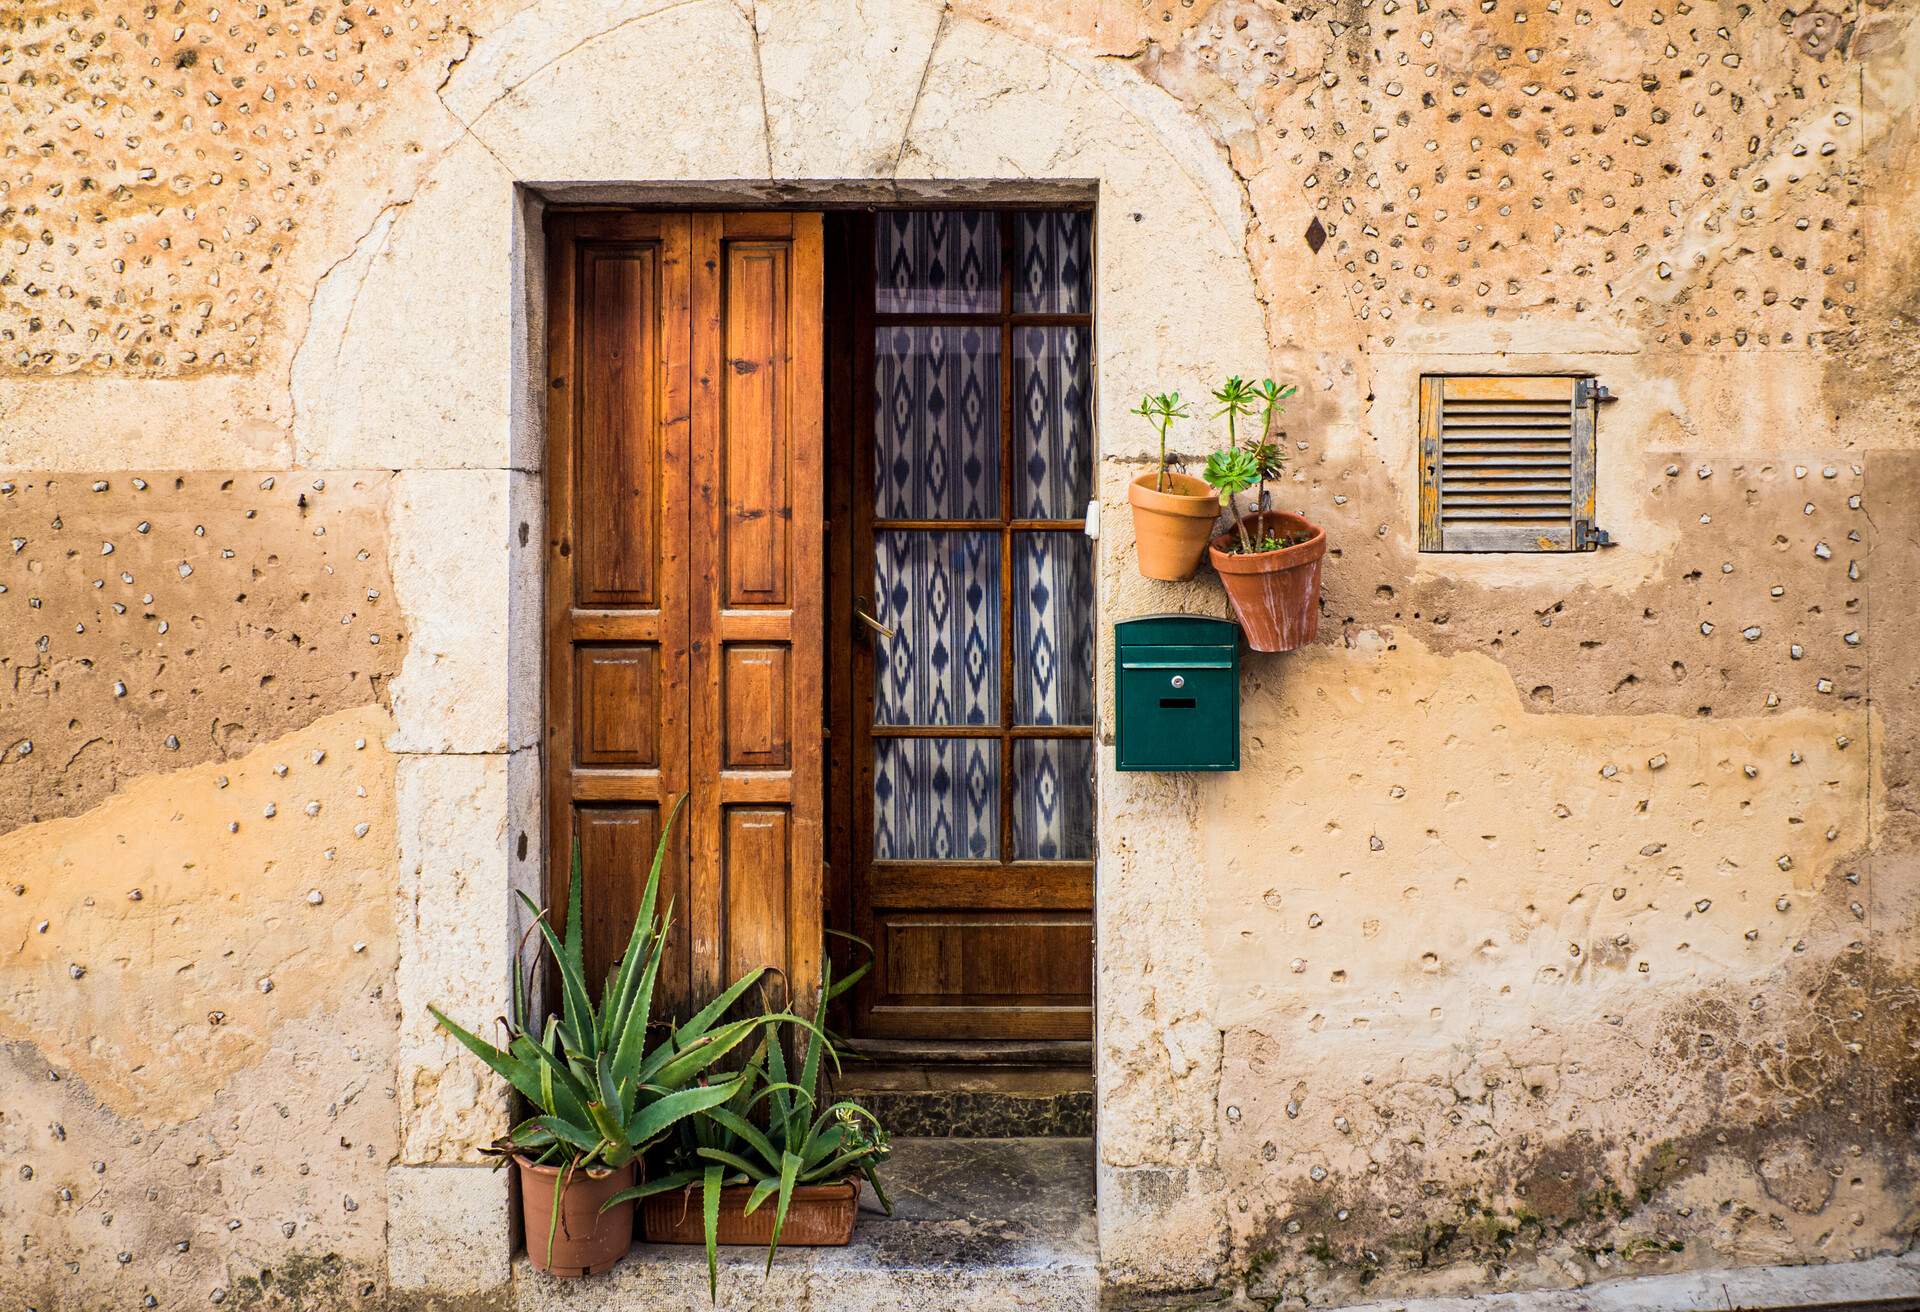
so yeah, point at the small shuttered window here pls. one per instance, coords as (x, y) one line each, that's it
(1506, 462)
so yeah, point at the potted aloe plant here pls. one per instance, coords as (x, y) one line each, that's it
(1270, 559)
(601, 1097)
(776, 1162)
(1173, 513)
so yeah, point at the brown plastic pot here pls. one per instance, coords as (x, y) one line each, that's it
(1275, 594)
(1171, 528)
(820, 1216)
(588, 1241)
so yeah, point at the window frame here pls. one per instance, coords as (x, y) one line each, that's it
(1006, 321)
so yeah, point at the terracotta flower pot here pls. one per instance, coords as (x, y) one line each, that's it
(1275, 594)
(820, 1215)
(587, 1241)
(1171, 528)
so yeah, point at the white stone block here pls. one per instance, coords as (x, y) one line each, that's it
(406, 360)
(450, 556)
(668, 96)
(449, 1228)
(453, 912)
(841, 77)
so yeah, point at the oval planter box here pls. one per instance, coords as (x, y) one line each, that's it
(1275, 594)
(820, 1216)
(588, 1241)
(1171, 528)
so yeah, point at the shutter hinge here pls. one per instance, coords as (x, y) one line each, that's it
(1589, 390)
(1586, 537)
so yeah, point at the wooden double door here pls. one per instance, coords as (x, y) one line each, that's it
(816, 487)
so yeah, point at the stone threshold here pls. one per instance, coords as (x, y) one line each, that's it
(1881, 1284)
(978, 1225)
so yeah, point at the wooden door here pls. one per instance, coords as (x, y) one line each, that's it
(683, 616)
(965, 597)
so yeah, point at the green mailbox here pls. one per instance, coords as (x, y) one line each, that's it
(1177, 693)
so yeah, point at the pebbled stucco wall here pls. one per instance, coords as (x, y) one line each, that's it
(1562, 923)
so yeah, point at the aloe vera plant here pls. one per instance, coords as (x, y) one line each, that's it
(600, 1096)
(775, 1132)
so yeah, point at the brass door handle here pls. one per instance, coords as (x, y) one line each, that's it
(872, 623)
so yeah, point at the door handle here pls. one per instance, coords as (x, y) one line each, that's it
(872, 623)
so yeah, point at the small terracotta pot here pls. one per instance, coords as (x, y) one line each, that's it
(1171, 528)
(820, 1216)
(1275, 594)
(588, 1241)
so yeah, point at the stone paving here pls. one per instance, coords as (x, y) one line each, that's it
(977, 1224)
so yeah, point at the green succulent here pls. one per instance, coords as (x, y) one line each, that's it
(774, 1133)
(1271, 455)
(1160, 411)
(1237, 398)
(600, 1095)
(1231, 470)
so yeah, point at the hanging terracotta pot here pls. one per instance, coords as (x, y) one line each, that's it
(1171, 526)
(587, 1241)
(1275, 594)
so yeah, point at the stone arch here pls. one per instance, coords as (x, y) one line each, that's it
(650, 101)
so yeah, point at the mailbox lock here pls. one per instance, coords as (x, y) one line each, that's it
(1179, 680)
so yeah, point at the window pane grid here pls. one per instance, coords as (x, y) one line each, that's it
(1032, 755)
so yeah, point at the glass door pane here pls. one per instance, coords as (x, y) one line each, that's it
(1053, 421)
(1053, 799)
(1052, 628)
(936, 429)
(940, 594)
(936, 799)
(937, 262)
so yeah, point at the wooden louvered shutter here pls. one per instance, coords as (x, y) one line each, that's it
(1506, 463)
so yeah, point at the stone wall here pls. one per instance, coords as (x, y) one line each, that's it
(1562, 921)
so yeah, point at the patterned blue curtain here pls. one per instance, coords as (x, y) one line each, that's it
(1053, 799)
(937, 262)
(938, 445)
(940, 593)
(1053, 628)
(1055, 275)
(936, 394)
(936, 799)
(1052, 387)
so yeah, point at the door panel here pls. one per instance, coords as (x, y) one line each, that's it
(1007, 958)
(757, 430)
(617, 837)
(756, 698)
(683, 584)
(617, 710)
(970, 719)
(757, 557)
(624, 355)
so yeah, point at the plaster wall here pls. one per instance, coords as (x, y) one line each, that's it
(1562, 922)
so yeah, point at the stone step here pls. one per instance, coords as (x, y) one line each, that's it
(978, 1225)
(980, 1113)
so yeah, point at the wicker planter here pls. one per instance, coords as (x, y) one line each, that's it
(587, 1240)
(820, 1216)
(1171, 527)
(1275, 594)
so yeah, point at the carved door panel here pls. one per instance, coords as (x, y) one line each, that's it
(683, 619)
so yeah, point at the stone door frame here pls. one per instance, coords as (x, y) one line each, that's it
(425, 357)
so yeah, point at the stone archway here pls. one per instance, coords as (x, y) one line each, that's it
(418, 360)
